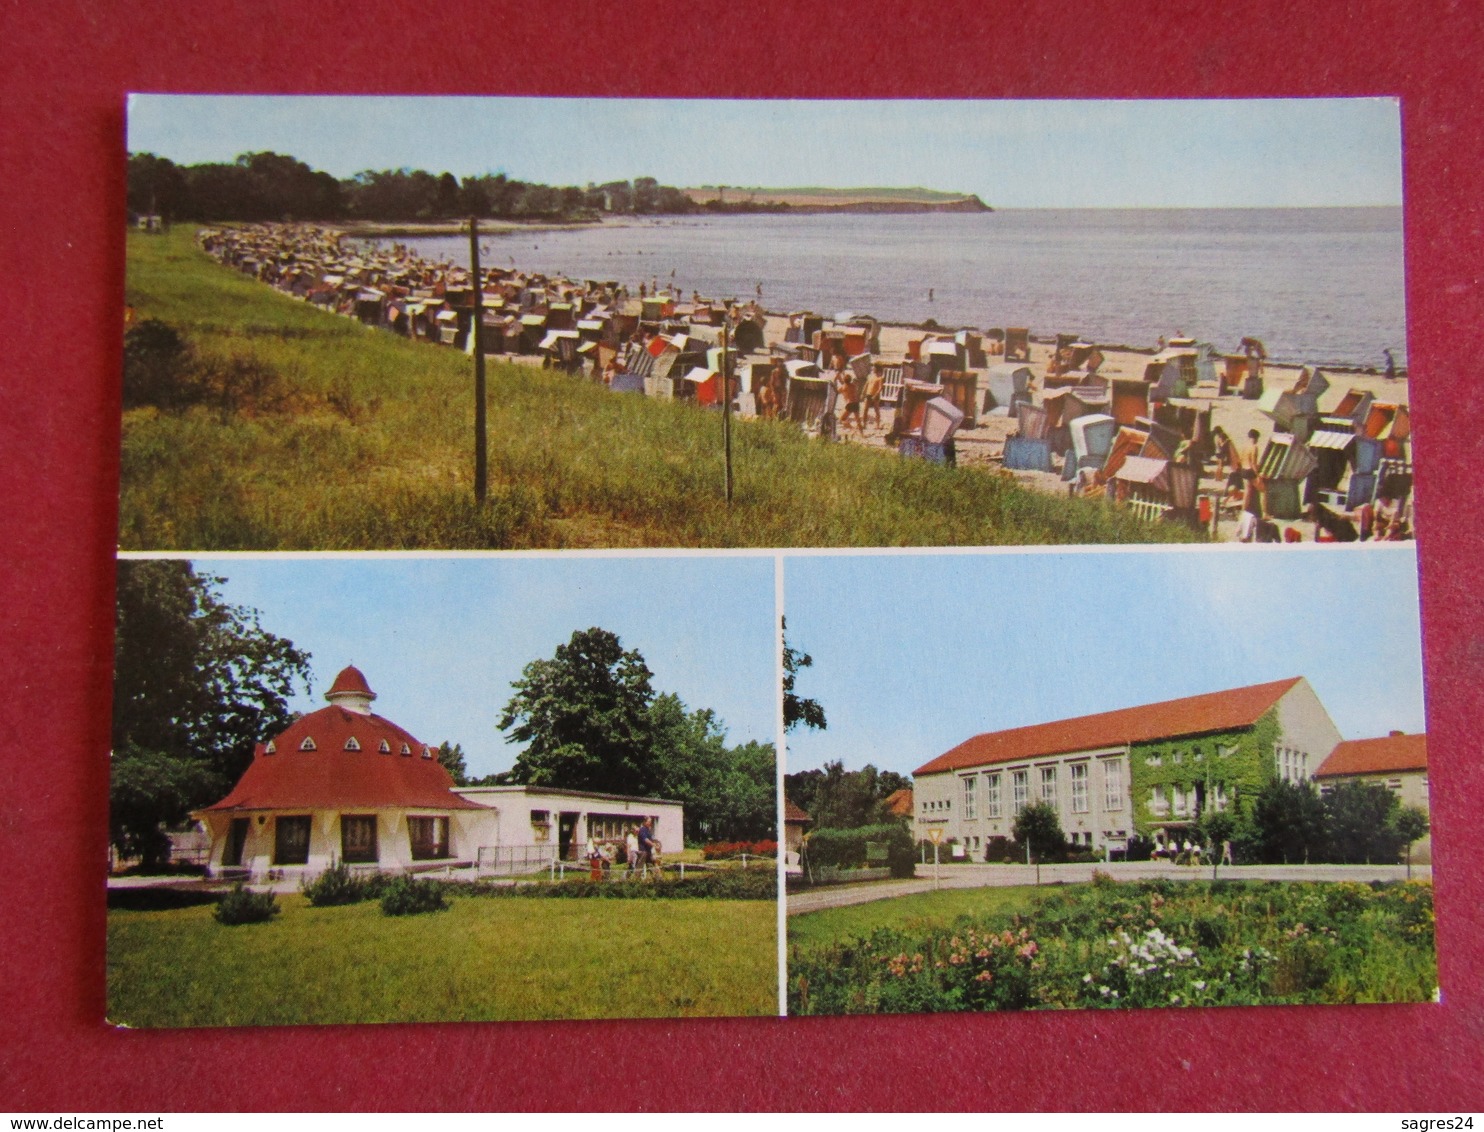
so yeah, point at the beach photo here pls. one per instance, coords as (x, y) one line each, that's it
(377, 789)
(505, 323)
(1089, 779)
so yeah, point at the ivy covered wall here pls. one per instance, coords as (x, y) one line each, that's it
(1239, 761)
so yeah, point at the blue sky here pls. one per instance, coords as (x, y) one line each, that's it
(441, 639)
(914, 654)
(1014, 154)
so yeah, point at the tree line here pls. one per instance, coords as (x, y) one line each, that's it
(273, 186)
(198, 682)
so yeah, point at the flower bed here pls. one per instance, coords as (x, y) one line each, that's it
(1152, 943)
(722, 850)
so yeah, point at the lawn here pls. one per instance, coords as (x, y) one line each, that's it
(1111, 945)
(482, 960)
(354, 438)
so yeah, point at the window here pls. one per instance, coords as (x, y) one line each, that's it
(352, 744)
(291, 841)
(358, 838)
(429, 838)
(1079, 788)
(1113, 784)
(971, 803)
(384, 747)
(406, 750)
(540, 825)
(1157, 802)
(1178, 757)
(1048, 785)
(1152, 760)
(1218, 797)
(308, 744)
(992, 795)
(1020, 786)
(271, 748)
(427, 752)
(1177, 794)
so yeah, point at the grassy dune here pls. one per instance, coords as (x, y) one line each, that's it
(482, 960)
(370, 447)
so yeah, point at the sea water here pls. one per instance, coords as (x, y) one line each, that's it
(1320, 286)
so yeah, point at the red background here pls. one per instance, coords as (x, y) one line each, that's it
(67, 65)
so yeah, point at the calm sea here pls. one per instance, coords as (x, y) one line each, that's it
(1322, 286)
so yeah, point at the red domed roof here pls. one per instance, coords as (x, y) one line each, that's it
(339, 759)
(351, 679)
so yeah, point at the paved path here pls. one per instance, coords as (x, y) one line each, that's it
(985, 876)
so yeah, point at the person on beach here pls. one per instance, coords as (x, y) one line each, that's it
(872, 397)
(845, 386)
(1390, 364)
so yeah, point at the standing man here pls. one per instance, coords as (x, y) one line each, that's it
(646, 843)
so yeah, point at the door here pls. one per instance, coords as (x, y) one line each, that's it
(566, 829)
(236, 842)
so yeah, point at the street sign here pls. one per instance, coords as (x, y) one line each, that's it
(935, 835)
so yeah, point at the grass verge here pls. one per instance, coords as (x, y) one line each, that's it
(482, 960)
(371, 447)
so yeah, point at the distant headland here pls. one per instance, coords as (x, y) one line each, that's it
(730, 198)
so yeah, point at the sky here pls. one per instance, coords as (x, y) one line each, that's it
(1013, 154)
(914, 654)
(441, 639)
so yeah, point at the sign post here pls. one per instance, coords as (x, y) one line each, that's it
(481, 444)
(935, 836)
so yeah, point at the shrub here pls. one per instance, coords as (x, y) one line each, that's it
(156, 366)
(1139, 849)
(727, 884)
(336, 885)
(243, 906)
(846, 848)
(408, 896)
(1000, 849)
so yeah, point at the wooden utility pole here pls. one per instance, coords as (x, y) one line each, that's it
(726, 397)
(476, 328)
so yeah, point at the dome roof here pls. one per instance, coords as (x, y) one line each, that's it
(351, 679)
(340, 759)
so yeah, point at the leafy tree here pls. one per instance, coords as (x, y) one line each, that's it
(797, 709)
(584, 717)
(836, 798)
(1217, 827)
(1039, 826)
(197, 683)
(1359, 821)
(451, 759)
(157, 184)
(1411, 825)
(1288, 825)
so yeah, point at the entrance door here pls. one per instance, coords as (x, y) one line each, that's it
(566, 830)
(236, 841)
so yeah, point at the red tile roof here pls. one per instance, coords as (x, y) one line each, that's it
(1376, 756)
(899, 802)
(792, 812)
(331, 777)
(1192, 715)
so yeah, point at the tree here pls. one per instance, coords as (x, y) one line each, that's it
(197, 683)
(1217, 826)
(1359, 822)
(451, 759)
(584, 717)
(1411, 825)
(796, 709)
(1039, 826)
(1288, 823)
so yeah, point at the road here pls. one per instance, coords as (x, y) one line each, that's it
(985, 876)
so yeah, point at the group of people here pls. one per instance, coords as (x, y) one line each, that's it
(641, 851)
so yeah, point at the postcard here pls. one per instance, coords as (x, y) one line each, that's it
(701, 362)
(1094, 780)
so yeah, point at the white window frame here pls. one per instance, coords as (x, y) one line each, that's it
(992, 795)
(1048, 785)
(971, 799)
(1079, 788)
(1113, 784)
(1020, 784)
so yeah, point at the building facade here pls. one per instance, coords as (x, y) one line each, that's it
(343, 784)
(1397, 761)
(1145, 771)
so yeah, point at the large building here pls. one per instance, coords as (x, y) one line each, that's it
(1148, 771)
(345, 784)
(1397, 761)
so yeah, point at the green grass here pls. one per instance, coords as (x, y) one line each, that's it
(481, 960)
(375, 451)
(919, 912)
